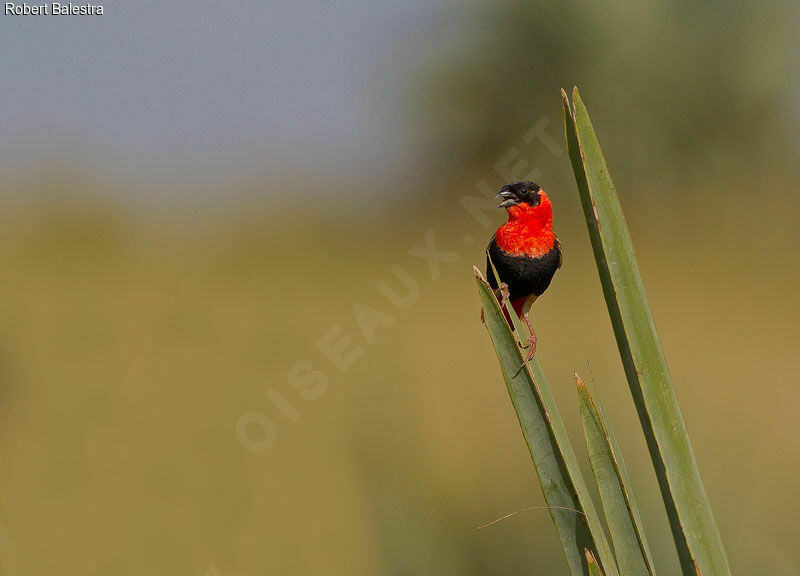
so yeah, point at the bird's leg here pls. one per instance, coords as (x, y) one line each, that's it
(503, 294)
(531, 339)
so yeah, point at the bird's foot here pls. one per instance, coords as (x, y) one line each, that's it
(503, 294)
(532, 351)
(531, 343)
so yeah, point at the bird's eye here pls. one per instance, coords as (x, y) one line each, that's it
(524, 191)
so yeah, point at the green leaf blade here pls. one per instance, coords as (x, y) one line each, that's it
(564, 489)
(619, 507)
(693, 527)
(594, 568)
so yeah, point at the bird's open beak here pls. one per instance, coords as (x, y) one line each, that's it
(509, 199)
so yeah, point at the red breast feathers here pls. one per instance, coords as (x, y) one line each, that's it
(529, 230)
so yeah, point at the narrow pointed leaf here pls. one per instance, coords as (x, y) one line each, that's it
(693, 528)
(594, 568)
(619, 507)
(565, 492)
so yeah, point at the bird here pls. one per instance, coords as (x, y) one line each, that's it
(525, 252)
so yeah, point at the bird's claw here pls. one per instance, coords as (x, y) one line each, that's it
(531, 354)
(503, 293)
(531, 344)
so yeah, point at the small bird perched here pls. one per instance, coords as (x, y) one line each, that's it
(524, 250)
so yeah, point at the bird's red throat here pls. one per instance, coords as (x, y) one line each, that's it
(529, 230)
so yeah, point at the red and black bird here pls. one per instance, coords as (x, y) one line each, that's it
(525, 251)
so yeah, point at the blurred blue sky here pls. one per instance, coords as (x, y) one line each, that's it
(169, 98)
(177, 92)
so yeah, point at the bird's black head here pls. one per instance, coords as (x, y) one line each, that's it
(526, 192)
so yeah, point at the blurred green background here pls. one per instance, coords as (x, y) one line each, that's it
(195, 197)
